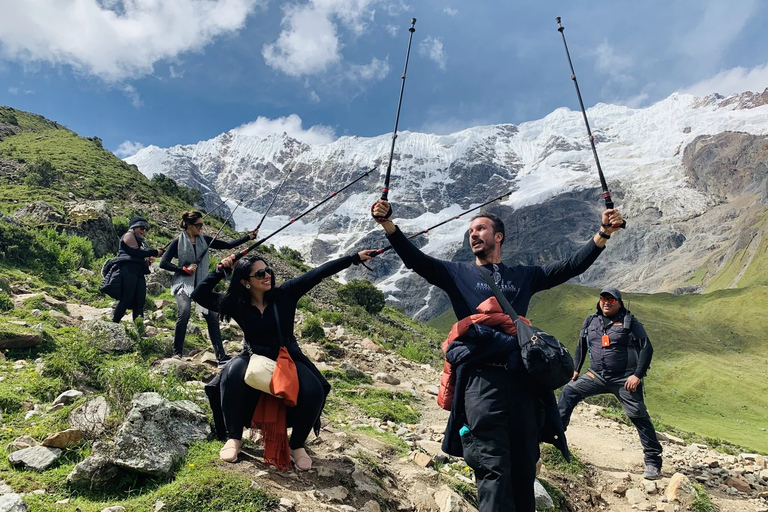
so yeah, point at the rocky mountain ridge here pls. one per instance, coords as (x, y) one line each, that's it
(662, 164)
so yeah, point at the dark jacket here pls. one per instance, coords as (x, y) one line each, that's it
(137, 263)
(482, 345)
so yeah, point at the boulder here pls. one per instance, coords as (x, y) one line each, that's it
(108, 336)
(679, 489)
(351, 371)
(38, 213)
(12, 503)
(68, 397)
(154, 289)
(92, 220)
(386, 378)
(90, 418)
(448, 501)
(36, 458)
(19, 338)
(69, 437)
(95, 472)
(543, 499)
(156, 434)
(21, 442)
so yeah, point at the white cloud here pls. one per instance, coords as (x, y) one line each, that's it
(450, 12)
(614, 64)
(432, 48)
(376, 70)
(291, 125)
(314, 97)
(719, 25)
(128, 148)
(393, 30)
(114, 40)
(175, 74)
(730, 81)
(132, 94)
(309, 42)
(13, 90)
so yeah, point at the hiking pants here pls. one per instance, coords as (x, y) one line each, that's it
(502, 445)
(133, 295)
(591, 384)
(184, 305)
(239, 400)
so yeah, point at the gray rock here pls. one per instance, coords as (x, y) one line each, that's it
(635, 496)
(156, 434)
(95, 472)
(12, 503)
(5, 488)
(108, 336)
(91, 417)
(386, 378)
(92, 220)
(116, 508)
(68, 397)
(36, 458)
(352, 371)
(364, 482)
(542, 497)
(154, 289)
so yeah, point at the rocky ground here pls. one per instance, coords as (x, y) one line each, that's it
(363, 463)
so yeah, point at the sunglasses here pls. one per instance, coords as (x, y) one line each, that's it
(199, 225)
(609, 300)
(259, 274)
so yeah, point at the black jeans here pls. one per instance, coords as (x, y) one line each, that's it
(502, 444)
(239, 400)
(591, 384)
(184, 305)
(133, 295)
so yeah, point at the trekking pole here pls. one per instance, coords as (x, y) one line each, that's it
(385, 189)
(273, 199)
(200, 258)
(381, 251)
(214, 209)
(603, 184)
(242, 253)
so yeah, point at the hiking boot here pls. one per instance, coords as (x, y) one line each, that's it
(176, 356)
(652, 472)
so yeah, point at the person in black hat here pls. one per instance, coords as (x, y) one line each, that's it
(619, 356)
(133, 288)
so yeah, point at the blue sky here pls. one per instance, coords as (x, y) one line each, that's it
(166, 72)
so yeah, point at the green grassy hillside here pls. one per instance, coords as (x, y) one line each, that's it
(710, 366)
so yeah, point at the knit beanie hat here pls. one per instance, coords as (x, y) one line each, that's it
(138, 222)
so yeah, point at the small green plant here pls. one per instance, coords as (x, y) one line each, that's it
(553, 459)
(333, 350)
(6, 303)
(332, 317)
(701, 501)
(41, 173)
(363, 293)
(291, 254)
(306, 304)
(558, 497)
(313, 329)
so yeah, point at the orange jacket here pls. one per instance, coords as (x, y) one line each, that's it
(490, 314)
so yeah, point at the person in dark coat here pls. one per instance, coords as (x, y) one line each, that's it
(133, 288)
(265, 312)
(499, 420)
(192, 248)
(620, 354)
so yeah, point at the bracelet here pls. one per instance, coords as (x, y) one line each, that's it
(603, 234)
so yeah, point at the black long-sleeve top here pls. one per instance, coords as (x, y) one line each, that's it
(260, 329)
(172, 251)
(623, 355)
(137, 264)
(466, 287)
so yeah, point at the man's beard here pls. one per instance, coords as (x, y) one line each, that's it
(485, 250)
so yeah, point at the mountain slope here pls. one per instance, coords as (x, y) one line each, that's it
(659, 162)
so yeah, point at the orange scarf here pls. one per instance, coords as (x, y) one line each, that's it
(270, 414)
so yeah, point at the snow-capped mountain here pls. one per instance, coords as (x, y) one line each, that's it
(655, 161)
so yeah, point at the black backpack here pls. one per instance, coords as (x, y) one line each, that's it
(111, 278)
(545, 359)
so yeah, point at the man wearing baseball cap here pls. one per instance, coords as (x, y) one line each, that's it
(619, 356)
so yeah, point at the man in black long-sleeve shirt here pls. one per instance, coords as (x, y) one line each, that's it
(500, 434)
(619, 357)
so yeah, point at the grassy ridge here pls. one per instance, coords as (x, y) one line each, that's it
(710, 367)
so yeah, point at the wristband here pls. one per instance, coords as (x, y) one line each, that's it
(185, 269)
(602, 234)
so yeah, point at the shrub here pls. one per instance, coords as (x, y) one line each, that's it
(41, 173)
(313, 329)
(332, 317)
(292, 254)
(6, 304)
(305, 303)
(44, 250)
(169, 187)
(363, 293)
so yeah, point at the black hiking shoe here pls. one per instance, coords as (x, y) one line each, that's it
(652, 472)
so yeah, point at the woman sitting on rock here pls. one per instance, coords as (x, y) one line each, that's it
(192, 249)
(133, 286)
(265, 313)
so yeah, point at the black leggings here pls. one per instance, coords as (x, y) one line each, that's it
(238, 401)
(133, 295)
